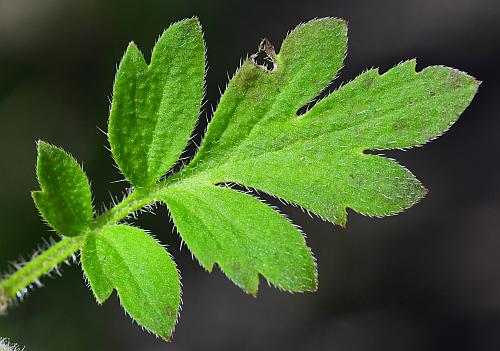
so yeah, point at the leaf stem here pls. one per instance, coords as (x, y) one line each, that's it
(18, 283)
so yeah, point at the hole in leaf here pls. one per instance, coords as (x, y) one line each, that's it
(265, 57)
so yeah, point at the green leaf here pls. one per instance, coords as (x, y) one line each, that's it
(318, 160)
(142, 272)
(244, 236)
(65, 201)
(310, 58)
(155, 107)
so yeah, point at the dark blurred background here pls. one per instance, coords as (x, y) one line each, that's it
(428, 279)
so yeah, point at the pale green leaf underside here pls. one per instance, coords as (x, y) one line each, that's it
(256, 138)
(317, 160)
(155, 107)
(65, 200)
(129, 260)
(309, 59)
(243, 236)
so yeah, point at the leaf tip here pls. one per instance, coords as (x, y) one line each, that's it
(131, 44)
(167, 336)
(43, 146)
(133, 53)
(35, 194)
(342, 21)
(194, 19)
(193, 22)
(423, 191)
(311, 289)
(342, 219)
(477, 82)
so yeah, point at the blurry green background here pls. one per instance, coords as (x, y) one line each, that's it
(428, 279)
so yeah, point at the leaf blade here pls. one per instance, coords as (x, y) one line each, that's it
(317, 160)
(245, 243)
(129, 260)
(65, 200)
(413, 107)
(305, 65)
(151, 119)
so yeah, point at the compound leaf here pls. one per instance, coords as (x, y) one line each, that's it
(142, 272)
(65, 200)
(319, 160)
(243, 236)
(155, 107)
